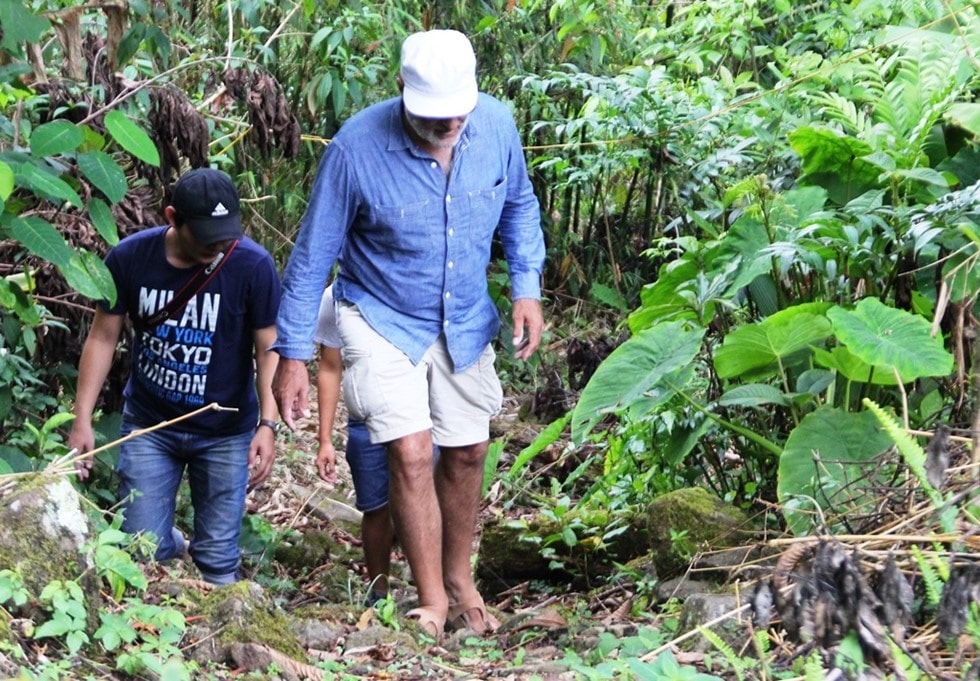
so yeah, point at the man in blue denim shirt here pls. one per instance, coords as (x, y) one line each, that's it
(408, 197)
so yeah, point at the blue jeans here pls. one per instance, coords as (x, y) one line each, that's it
(150, 470)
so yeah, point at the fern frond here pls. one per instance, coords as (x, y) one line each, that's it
(930, 115)
(910, 670)
(738, 665)
(762, 642)
(913, 455)
(813, 668)
(930, 578)
(847, 113)
(915, 458)
(889, 108)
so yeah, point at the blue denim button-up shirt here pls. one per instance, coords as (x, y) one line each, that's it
(413, 244)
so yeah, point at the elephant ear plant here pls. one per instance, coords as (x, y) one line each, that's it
(833, 459)
(809, 362)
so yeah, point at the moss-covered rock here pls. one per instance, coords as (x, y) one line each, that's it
(241, 613)
(307, 551)
(43, 532)
(336, 583)
(701, 608)
(683, 522)
(512, 549)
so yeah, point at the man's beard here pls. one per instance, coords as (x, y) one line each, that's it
(430, 137)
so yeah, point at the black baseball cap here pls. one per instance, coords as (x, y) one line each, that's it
(207, 201)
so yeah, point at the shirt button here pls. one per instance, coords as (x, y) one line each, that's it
(433, 165)
(449, 264)
(449, 199)
(448, 295)
(445, 324)
(450, 231)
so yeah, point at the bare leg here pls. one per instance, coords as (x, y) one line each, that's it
(378, 536)
(418, 521)
(459, 476)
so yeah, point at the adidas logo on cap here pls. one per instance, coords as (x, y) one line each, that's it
(206, 199)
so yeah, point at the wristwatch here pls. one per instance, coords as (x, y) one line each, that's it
(275, 425)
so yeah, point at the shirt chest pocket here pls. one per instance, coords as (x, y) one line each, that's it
(485, 207)
(406, 227)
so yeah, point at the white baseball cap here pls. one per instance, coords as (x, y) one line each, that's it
(439, 74)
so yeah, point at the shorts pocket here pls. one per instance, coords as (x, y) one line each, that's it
(362, 394)
(491, 392)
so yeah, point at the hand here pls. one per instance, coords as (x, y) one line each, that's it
(81, 440)
(261, 456)
(528, 323)
(291, 388)
(326, 466)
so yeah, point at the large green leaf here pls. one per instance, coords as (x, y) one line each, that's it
(132, 138)
(827, 151)
(756, 348)
(103, 221)
(796, 209)
(965, 165)
(19, 26)
(13, 297)
(12, 460)
(131, 41)
(746, 240)
(853, 368)
(87, 274)
(104, 173)
(692, 286)
(926, 176)
(609, 296)
(56, 137)
(835, 162)
(47, 184)
(6, 181)
(814, 381)
(754, 395)
(682, 441)
(965, 115)
(659, 394)
(632, 370)
(888, 337)
(832, 459)
(663, 299)
(41, 238)
(159, 43)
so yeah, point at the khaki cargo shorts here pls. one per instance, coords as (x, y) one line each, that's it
(396, 398)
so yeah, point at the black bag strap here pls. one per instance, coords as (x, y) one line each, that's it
(190, 289)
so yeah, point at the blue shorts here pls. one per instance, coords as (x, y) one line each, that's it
(368, 464)
(368, 468)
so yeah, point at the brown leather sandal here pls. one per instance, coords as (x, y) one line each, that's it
(472, 614)
(428, 619)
